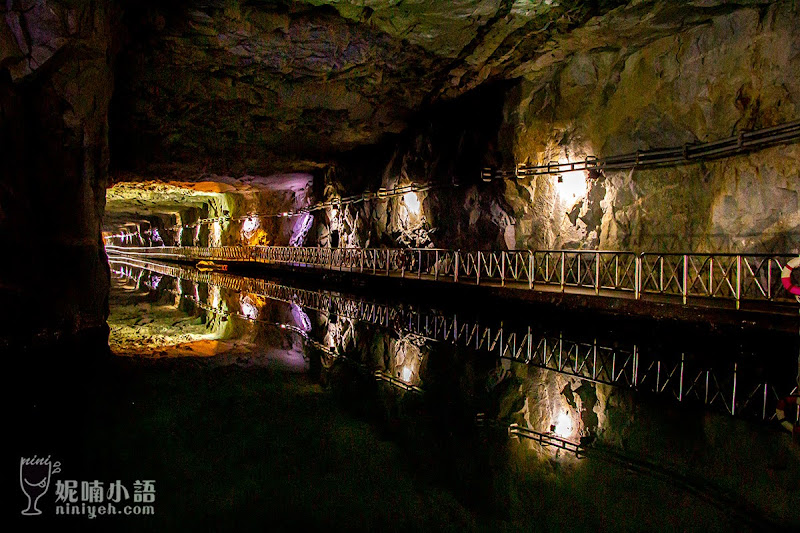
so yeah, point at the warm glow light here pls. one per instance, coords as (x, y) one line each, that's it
(214, 296)
(412, 202)
(216, 234)
(563, 426)
(249, 310)
(572, 186)
(249, 226)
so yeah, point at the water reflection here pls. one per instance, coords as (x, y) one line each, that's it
(735, 382)
(662, 409)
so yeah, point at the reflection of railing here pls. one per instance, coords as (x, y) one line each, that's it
(397, 382)
(684, 379)
(543, 439)
(704, 279)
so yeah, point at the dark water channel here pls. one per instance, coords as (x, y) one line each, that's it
(263, 404)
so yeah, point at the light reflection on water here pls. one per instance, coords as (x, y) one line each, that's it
(559, 395)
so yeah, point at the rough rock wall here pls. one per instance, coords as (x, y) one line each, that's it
(737, 72)
(447, 151)
(55, 88)
(173, 209)
(244, 87)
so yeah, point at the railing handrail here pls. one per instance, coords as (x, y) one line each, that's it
(470, 250)
(715, 254)
(687, 276)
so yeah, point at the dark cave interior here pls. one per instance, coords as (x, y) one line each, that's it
(380, 264)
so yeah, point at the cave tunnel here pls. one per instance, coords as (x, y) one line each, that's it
(474, 265)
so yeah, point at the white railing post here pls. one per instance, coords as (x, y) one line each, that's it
(738, 281)
(685, 288)
(769, 279)
(711, 276)
(637, 281)
(502, 268)
(530, 269)
(597, 273)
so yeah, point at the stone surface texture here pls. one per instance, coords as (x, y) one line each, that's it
(56, 84)
(372, 94)
(739, 71)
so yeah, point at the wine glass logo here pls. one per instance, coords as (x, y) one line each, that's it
(34, 479)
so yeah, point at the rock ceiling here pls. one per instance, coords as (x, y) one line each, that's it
(229, 87)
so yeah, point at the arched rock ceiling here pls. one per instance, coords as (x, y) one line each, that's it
(128, 200)
(256, 87)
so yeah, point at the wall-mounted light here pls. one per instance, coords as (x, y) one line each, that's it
(563, 426)
(249, 309)
(412, 202)
(249, 226)
(571, 185)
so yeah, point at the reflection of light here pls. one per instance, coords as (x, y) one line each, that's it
(301, 318)
(571, 185)
(412, 202)
(563, 426)
(407, 361)
(214, 296)
(249, 310)
(155, 279)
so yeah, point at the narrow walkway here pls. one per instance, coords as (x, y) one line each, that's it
(706, 281)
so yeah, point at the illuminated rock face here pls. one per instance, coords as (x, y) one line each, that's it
(208, 90)
(684, 84)
(740, 71)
